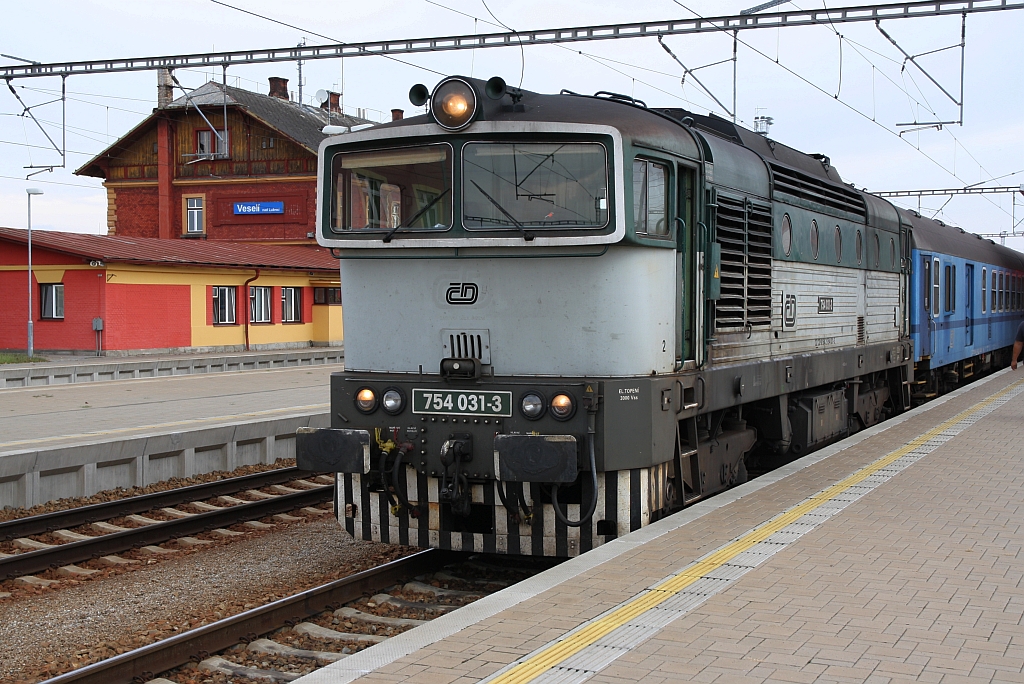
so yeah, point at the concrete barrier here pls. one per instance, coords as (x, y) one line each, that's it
(94, 371)
(33, 476)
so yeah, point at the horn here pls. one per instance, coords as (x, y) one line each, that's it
(418, 94)
(495, 88)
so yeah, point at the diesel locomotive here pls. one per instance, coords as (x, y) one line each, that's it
(568, 316)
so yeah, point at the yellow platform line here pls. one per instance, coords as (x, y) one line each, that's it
(541, 662)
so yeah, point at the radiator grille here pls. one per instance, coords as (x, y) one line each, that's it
(806, 187)
(466, 344)
(744, 230)
(861, 331)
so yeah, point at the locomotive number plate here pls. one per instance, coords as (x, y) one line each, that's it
(462, 403)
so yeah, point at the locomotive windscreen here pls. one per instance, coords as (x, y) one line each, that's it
(540, 185)
(407, 188)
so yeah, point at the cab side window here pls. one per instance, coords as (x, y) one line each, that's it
(650, 198)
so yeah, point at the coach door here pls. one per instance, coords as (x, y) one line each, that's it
(969, 306)
(924, 314)
(688, 324)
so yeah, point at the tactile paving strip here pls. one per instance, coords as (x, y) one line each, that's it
(586, 650)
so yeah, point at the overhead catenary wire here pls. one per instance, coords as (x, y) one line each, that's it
(319, 35)
(842, 102)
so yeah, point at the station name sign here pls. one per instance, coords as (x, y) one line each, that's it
(259, 208)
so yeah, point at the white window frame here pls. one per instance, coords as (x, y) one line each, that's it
(224, 304)
(51, 301)
(195, 214)
(984, 290)
(291, 305)
(259, 303)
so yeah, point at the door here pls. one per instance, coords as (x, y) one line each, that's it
(969, 305)
(924, 313)
(688, 334)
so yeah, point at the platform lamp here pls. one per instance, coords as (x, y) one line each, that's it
(30, 192)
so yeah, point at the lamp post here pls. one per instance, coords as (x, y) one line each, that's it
(30, 192)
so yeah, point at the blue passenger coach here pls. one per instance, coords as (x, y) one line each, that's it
(966, 301)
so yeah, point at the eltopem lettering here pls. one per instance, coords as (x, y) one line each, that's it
(258, 208)
(629, 394)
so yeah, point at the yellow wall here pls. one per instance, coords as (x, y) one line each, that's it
(325, 328)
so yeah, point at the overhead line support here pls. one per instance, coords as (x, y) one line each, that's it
(737, 22)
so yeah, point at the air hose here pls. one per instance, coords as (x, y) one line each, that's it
(593, 499)
(405, 448)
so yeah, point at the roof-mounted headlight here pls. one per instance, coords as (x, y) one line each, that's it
(453, 104)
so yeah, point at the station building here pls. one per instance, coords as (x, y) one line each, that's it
(183, 174)
(210, 242)
(115, 295)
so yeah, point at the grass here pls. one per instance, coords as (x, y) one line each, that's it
(20, 358)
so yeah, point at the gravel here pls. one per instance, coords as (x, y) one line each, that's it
(47, 632)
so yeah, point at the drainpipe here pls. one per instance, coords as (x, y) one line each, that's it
(248, 310)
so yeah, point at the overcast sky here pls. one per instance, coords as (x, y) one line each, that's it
(838, 96)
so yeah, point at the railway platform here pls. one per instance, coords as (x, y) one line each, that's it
(894, 555)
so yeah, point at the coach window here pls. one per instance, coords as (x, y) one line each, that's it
(860, 249)
(949, 288)
(984, 289)
(839, 244)
(992, 301)
(926, 279)
(787, 234)
(1002, 300)
(814, 239)
(650, 199)
(935, 286)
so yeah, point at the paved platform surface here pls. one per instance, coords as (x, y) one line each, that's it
(64, 415)
(895, 555)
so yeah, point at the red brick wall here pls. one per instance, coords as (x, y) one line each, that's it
(137, 212)
(222, 224)
(148, 316)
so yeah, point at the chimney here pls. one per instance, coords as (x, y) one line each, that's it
(279, 87)
(164, 88)
(397, 114)
(332, 103)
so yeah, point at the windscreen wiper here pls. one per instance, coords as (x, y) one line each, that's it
(526, 235)
(421, 212)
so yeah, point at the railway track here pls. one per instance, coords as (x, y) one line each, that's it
(236, 646)
(100, 540)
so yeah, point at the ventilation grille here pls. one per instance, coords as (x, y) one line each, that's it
(466, 344)
(861, 332)
(744, 230)
(796, 184)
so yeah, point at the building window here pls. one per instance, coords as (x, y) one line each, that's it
(51, 302)
(208, 144)
(223, 305)
(195, 215)
(267, 143)
(259, 304)
(291, 305)
(327, 295)
(650, 198)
